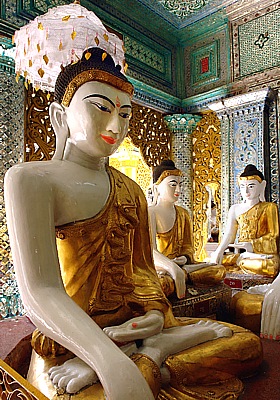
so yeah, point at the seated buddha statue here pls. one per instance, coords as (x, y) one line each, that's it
(82, 253)
(172, 236)
(257, 224)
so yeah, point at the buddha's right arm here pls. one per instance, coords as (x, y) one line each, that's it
(29, 200)
(228, 237)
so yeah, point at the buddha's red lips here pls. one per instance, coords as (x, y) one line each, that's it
(108, 139)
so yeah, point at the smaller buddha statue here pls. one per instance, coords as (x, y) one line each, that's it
(172, 235)
(257, 224)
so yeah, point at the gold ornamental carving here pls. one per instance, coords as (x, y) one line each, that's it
(39, 137)
(206, 178)
(14, 386)
(149, 132)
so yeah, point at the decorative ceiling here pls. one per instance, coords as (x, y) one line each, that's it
(183, 9)
(184, 12)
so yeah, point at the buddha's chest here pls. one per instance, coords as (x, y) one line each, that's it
(79, 198)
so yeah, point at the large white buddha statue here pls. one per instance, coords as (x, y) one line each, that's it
(82, 253)
(172, 235)
(252, 229)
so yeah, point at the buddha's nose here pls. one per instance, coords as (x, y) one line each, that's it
(114, 123)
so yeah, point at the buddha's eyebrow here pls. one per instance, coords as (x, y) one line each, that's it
(126, 106)
(100, 96)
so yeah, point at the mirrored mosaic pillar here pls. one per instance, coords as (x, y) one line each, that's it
(182, 126)
(11, 150)
(249, 135)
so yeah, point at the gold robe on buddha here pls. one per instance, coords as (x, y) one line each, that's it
(107, 269)
(259, 226)
(178, 241)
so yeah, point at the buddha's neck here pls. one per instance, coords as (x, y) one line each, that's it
(74, 154)
(165, 204)
(252, 203)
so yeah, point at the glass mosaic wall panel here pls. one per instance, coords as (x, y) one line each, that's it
(259, 43)
(206, 63)
(255, 43)
(11, 150)
(249, 135)
(247, 145)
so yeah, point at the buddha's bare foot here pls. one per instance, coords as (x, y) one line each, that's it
(73, 375)
(220, 329)
(179, 338)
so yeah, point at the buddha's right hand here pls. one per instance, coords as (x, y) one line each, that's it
(179, 278)
(216, 257)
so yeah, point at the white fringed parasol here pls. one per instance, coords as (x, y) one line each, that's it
(59, 38)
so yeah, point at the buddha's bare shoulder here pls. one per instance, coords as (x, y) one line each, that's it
(27, 173)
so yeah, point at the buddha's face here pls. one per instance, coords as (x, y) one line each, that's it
(98, 118)
(250, 189)
(169, 188)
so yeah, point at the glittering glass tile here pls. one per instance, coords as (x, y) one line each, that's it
(11, 151)
(259, 43)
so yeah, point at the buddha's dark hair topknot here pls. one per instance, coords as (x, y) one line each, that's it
(251, 170)
(165, 165)
(96, 61)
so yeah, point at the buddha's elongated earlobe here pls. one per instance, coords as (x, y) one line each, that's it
(154, 194)
(262, 193)
(60, 126)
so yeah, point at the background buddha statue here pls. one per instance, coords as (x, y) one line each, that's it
(172, 235)
(82, 253)
(254, 225)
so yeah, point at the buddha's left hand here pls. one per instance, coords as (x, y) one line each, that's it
(137, 328)
(247, 246)
(181, 260)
